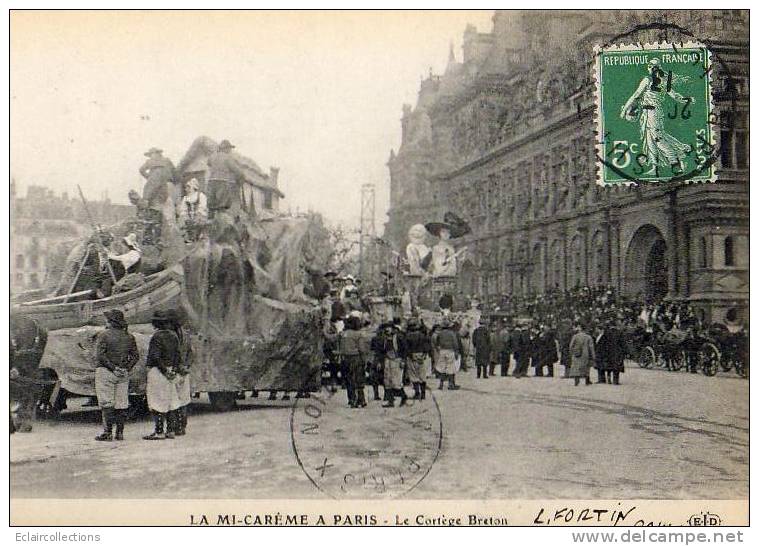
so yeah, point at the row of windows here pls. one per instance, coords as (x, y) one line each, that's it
(33, 280)
(734, 151)
(21, 261)
(728, 252)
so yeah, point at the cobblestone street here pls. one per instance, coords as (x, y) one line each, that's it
(658, 435)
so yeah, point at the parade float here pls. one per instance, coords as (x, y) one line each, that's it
(246, 286)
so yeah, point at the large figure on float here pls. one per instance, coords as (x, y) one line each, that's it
(444, 255)
(418, 254)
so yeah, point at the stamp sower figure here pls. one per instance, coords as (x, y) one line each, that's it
(482, 348)
(27, 345)
(447, 346)
(418, 349)
(162, 359)
(115, 355)
(354, 355)
(659, 147)
(224, 179)
(180, 404)
(582, 353)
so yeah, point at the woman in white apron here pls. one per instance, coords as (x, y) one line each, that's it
(161, 362)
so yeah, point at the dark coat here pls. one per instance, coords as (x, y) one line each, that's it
(546, 353)
(520, 344)
(610, 351)
(163, 351)
(482, 344)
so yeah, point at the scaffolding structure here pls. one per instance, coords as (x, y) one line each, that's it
(367, 235)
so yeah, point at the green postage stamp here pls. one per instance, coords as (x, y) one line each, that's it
(654, 114)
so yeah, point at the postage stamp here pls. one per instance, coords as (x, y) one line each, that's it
(385, 454)
(654, 113)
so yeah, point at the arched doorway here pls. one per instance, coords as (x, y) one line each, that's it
(647, 265)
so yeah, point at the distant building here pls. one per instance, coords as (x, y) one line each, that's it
(260, 188)
(41, 221)
(505, 139)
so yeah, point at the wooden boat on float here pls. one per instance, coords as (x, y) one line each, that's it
(159, 291)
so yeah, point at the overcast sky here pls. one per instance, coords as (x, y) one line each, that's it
(317, 94)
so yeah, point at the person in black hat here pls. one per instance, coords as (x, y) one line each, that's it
(115, 355)
(391, 349)
(354, 354)
(481, 340)
(418, 349)
(159, 172)
(224, 178)
(27, 345)
(181, 402)
(161, 362)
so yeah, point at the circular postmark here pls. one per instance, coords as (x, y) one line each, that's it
(372, 452)
(657, 121)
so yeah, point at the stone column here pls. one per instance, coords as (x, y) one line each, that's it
(544, 246)
(673, 247)
(583, 230)
(614, 254)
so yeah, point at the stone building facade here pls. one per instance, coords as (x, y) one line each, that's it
(505, 138)
(41, 222)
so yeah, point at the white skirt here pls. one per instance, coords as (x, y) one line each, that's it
(181, 391)
(160, 391)
(447, 362)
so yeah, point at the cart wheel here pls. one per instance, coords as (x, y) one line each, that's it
(647, 357)
(223, 401)
(709, 358)
(679, 361)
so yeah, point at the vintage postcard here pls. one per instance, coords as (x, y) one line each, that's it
(379, 268)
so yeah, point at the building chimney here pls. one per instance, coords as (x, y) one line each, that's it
(274, 176)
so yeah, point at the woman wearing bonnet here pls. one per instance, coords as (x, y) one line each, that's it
(418, 253)
(193, 210)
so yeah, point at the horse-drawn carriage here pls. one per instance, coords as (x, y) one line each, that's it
(706, 350)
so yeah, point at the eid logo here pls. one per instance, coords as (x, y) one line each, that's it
(704, 519)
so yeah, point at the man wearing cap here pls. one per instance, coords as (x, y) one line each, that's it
(115, 355)
(224, 178)
(159, 172)
(161, 362)
(482, 348)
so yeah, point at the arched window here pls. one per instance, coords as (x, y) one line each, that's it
(703, 253)
(20, 261)
(33, 261)
(729, 252)
(576, 262)
(598, 259)
(557, 280)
